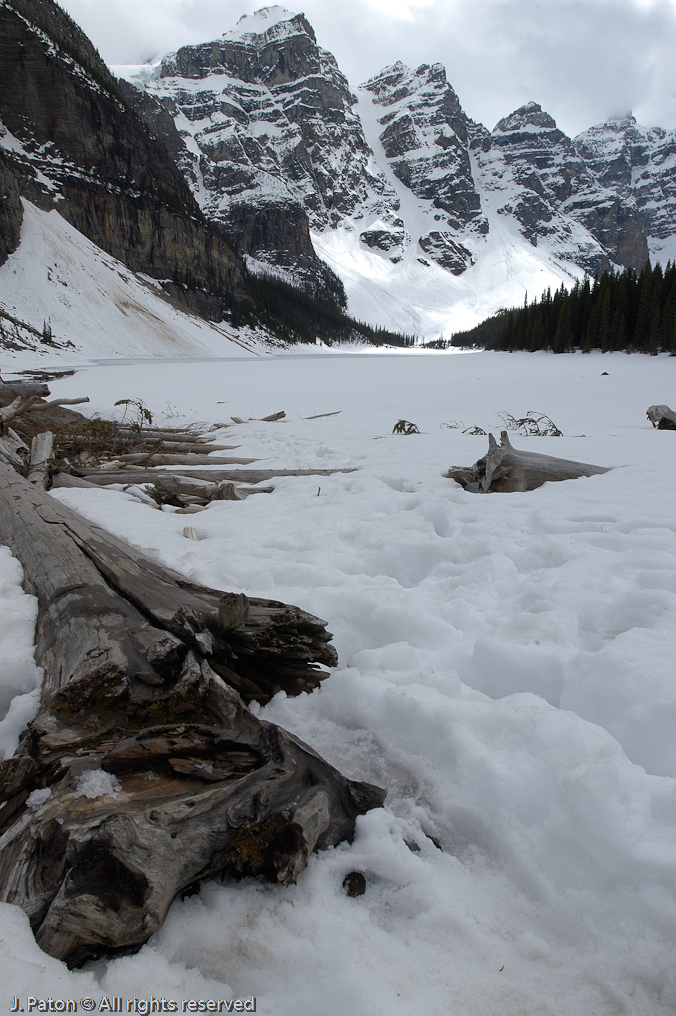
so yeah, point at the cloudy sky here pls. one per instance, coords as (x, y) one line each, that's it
(582, 60)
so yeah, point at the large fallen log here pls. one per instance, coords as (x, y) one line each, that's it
(15, 388)
(144, 771)
(507, 469)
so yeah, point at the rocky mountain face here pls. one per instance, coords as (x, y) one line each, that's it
(69, 141)
(639, 164)
(425, 138)
(278, 150)
(535, 173)
(261, 123)
(391, 194)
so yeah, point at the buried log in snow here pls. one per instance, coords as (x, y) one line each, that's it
(662, 417)
(507, 469)
(144, 771)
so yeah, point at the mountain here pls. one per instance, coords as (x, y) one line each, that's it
(640, 164)
(261, 123)
(73, 153)
(246, 181)
(428, 219)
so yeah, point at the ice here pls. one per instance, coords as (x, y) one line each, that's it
(505, 672)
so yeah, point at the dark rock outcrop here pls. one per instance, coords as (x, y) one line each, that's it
(11, 212)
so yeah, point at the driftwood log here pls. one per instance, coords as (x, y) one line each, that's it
(145, 772)
(662, 417)
(507, 469)
(102, 477)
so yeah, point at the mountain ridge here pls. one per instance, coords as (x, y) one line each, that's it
(276, 147)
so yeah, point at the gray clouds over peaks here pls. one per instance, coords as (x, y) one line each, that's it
(582, 60)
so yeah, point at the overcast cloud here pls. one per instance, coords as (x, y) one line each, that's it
(582, 60)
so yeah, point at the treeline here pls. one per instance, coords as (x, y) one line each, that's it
(629, 310)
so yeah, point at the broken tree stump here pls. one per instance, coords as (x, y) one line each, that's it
(151, 772)
(507, 469)
(662, 417)
(42, 447)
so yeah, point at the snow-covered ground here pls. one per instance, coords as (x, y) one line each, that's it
(506, 671)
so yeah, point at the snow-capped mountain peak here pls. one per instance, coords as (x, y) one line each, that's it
(261, 22)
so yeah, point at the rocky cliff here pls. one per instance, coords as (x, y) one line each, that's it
(639, 164)
(277, 149)
(71, 142)
(530, 170)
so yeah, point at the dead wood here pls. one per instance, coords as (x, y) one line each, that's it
(68, 480)
(274, 417)
(159, 775)
(15, 408)
(24, 388)
(42, 447)
(10, 454)
(506, 469)
(182, 491)
(104, 476)
(160, 458)
(197, 448)
(320, 416)
(68, 402)
(662, 417)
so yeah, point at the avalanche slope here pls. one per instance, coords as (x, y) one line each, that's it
(95, 305)
(417, 295)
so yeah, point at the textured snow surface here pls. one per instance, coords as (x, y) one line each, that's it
(506, 671)
(97, 304)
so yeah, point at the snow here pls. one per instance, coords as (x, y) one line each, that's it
(93, 301)
(20, 679)
(97, 783)
(505, 672)
(258, 23)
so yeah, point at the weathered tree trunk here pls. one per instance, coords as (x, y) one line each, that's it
(159, 775)
(662, 417)
(37, 388)
(507, 469)
(42, 447)
(102, 477)
(160, 458)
